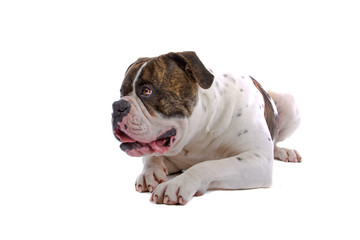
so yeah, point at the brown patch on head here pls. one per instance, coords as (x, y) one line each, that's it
(173, 80)
(127, 84)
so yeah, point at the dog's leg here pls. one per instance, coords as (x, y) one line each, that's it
(245, 171)
(289, 121)
(154, 172)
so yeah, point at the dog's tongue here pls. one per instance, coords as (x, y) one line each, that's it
(136, 149)
(125, 138)
(159, 146)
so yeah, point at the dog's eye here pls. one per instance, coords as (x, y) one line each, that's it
(146, 91)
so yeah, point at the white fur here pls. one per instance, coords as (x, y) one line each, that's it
(224, 144)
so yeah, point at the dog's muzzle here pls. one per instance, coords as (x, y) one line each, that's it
(159, 144)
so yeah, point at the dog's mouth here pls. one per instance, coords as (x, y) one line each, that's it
(135, 148)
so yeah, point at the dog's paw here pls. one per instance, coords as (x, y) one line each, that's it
(150, 178)
(178, 190)
(286, 155)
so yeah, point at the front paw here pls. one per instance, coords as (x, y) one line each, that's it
(150, 178)
(176, 191)
(286, 155)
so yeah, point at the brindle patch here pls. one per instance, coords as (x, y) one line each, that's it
(272, 119)
(174, 93)
(127, 84)
(173, 83)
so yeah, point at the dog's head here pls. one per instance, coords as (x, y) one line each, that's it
(157, 94)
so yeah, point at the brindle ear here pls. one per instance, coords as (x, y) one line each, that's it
(192, 65)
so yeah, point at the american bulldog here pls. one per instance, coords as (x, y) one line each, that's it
(218, 130)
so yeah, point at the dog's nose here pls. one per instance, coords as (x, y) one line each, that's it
(121, 107)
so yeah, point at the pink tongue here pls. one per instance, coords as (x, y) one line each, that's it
(125, 138)
(158, 146)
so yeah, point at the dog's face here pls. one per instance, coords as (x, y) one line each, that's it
(157, 94)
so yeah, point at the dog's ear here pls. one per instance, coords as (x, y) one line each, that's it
(192, 65)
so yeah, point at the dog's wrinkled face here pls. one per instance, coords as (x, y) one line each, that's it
(156, 95)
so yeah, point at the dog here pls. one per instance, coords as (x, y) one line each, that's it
(220, 131)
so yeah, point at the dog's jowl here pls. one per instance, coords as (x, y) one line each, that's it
(218, 130)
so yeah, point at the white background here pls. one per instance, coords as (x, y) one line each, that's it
(62, 174)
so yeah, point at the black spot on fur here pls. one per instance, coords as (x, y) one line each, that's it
(239, 113)
(242, 132)
(241, 90)
(186, 152)
(239, 158)
(257, 155)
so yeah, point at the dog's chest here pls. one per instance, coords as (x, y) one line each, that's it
(231, 113)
